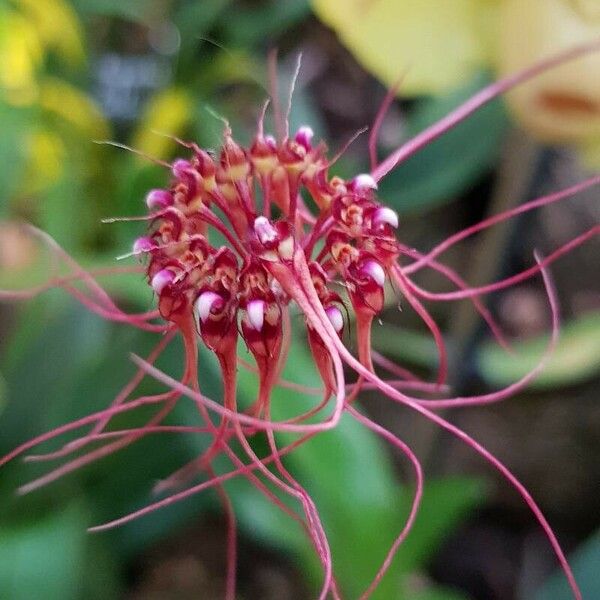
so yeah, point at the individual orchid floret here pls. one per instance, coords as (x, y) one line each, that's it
(363, 182)
(374, 270)
(159, 199)
(265, 232)
(161, 280)
(385, 216)
(143, 245)
(334, 314)
(304, 137)
(206, 303)
(255, 310)
(182, 169)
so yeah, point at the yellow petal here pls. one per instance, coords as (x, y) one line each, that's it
(20, 54)
(167, 112)
(440, 42)
(57, 25)
(589, 153)
(562, 105)
(46, 153)
(72, 105)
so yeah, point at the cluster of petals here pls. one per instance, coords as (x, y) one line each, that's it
(253, 200)
(242, 239)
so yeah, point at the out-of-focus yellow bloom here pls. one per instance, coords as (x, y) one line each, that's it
(64, 100)
(20, 54)
(167, 112)
(442, 42)
(438, 42)
(57, 26)
(562, 105)
(46, 153)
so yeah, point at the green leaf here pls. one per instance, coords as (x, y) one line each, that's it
(44, 558)
(437, 593)
(575, 359)
(135, 10)
(416, 347)
(444, 505)
(584, 563)
(41, 367)
(14, 122)
(253, 24)
(447, 166)
(2, 394)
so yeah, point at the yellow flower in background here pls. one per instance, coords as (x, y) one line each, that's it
(21, 53)
(562, 105)
(167, 112)
(57, 26)
(441, 43)
(74, 107)
(31, 30)
(46, 153)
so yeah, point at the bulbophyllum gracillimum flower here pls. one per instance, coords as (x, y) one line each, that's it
(277, 257)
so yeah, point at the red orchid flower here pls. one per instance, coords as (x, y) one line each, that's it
(277, 258)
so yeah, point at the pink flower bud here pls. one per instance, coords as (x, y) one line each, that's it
(162, 279)
(271, 142)
(206, 302)
(142, 245)
(304, 136)
(181, 168)
(158, 199)
(375, 271)
(265, 232)
(385, 215)
(363, 182)
(334, 314)
(256, 313)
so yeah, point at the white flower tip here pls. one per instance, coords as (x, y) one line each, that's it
(304, 136)
(142, 244)
(386, 215)
(375, 270)
(256, 314)
(181, 167)
(158, 199)
(161, 280)
(205, 303)
(364, 181)
(264, 230)
(334, 314)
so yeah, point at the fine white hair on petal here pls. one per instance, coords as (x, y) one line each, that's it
(205, 303)
(256, 313)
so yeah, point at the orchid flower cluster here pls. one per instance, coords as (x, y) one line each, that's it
(293, 238)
